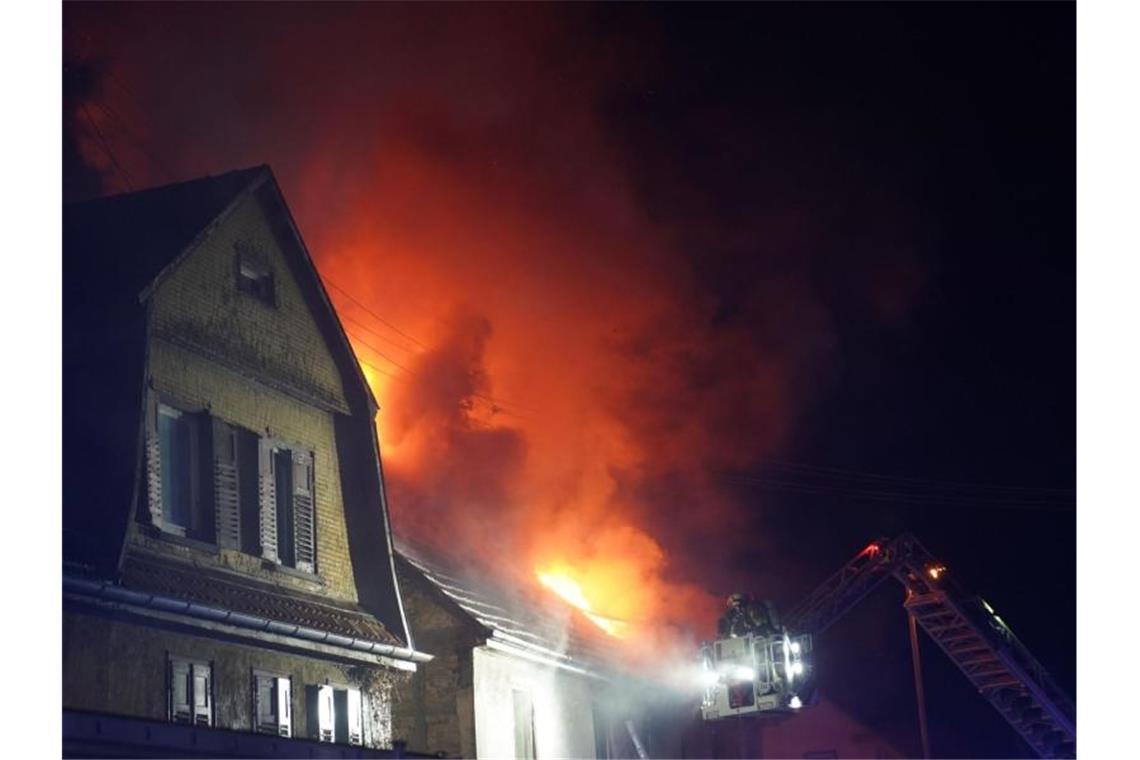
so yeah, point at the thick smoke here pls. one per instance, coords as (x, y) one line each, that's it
(568, 378)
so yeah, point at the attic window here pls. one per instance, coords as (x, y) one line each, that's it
(254, 275)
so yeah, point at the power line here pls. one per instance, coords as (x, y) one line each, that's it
(495, 408)
(497, 405)
(491, 399)
(927, 493)
(389, 341)
(379, 318)
(133, 136)
(136, 139)
(106, 147)
(899, 497)
(374, 368)
(859, 475)
(381, 353)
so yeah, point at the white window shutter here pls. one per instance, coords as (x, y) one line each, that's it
(326, 713)
(304, 511)
(355, 717)
(203, 698)
(227, 511)
(284, 695)
(181, 692)
(267, 498)
(153, 455)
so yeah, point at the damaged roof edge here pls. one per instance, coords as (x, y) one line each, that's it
(505, 634)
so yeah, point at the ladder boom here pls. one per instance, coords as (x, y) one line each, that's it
(964, 627)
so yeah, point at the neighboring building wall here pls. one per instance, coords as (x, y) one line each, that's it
(434, 711)
(462, 702)
(562, 704)
(114, 666)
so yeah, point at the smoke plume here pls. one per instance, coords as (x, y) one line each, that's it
(564, 367)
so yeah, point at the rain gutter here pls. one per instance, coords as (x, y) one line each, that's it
(105, 590)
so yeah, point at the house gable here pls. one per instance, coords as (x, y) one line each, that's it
(153, 308)
(197, 304)
(267, 365)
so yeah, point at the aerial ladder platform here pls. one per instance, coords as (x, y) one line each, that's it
(965, 628)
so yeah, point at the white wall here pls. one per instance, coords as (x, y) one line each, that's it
(563, 714)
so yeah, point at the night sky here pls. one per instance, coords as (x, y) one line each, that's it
(812, 265)
(936, 144)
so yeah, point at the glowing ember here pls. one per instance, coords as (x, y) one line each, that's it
(567, 588)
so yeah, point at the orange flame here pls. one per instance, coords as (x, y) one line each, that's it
(561, 583)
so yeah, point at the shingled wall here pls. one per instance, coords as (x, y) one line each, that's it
(434, 710)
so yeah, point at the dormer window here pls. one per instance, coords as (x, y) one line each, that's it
(254, 276)
(217, 483)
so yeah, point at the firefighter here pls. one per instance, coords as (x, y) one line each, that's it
(745, 616)
(733, 622)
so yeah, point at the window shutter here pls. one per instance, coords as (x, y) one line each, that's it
(284, 694)
(355, 717)
(267, 499)
(327, 713)
(227, 511)
(181, 691)
(153, 448)
(203, 709)
(265, 719)
(319, 709)
(304, 511)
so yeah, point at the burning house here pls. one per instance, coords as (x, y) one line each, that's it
(517, 673)
(229, 585)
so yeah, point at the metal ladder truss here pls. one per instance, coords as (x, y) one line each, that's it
(964, 627)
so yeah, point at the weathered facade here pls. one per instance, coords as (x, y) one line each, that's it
(513, 675)
(226, 540)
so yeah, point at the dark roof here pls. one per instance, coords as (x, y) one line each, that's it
(147, 229)
(159, 576)
(113, 249)
(519, 614)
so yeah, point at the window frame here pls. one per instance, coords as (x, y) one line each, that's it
(288, 451)
(202, 507)
(192, 663)
(256, 674)
(253, 274)
(211, 512)
(335, 737)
